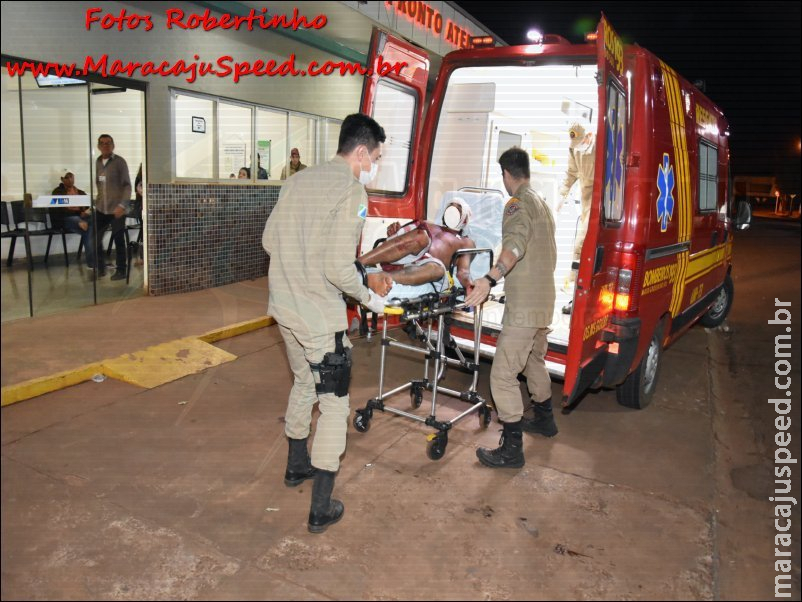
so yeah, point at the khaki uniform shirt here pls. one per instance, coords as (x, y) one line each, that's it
(581, 166)
(311, 237)
(113, 184)
(528, 231)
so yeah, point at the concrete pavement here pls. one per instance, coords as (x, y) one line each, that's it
(112, 491)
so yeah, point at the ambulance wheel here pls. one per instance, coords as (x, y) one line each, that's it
(361, 422)
(638, 389)
(416, 397)
(436, 448)
(721, 306)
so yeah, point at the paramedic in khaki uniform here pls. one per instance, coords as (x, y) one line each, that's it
(581, 164)
(311, 237)
(526, 262)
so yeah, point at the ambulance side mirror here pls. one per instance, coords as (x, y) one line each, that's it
(743, 215)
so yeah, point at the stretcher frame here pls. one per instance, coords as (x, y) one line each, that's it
(428, 308)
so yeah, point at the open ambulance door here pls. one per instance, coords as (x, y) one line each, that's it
(597, 280)
(394, 93)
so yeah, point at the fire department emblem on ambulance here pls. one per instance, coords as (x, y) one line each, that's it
(665, 200)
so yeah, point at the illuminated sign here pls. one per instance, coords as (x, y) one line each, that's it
(706, 120)
(424, 16)
(613, 48)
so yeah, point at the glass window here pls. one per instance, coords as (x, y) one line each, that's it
(302, 137)
(331, 138)
(128, 133)
(56, 131)
(708, 190)
(194, 150)
(271, 140)
(215, 138)
(234, 138)
(11, 140)
(615, 135)
(394, 109)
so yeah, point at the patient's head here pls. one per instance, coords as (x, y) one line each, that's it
(457, 214)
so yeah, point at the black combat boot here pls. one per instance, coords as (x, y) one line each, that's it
(324, 511)
(299, 468)
(511, 452)
(543, 422)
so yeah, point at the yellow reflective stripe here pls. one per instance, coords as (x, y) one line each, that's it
(684, 214)
(706, 259)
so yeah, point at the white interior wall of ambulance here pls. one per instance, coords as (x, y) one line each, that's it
(487, 110)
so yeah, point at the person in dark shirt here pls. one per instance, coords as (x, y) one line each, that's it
(72, 219)
(261, 174)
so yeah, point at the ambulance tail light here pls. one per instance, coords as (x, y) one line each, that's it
(627, 285)
(622, 290)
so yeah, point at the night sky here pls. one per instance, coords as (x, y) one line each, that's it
(748, 54)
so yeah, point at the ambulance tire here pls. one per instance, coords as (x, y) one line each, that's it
(637, 390)
(717, 313)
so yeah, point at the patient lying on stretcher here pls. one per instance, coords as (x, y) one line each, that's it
(419, 253)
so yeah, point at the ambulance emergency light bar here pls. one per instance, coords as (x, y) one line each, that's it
(482, 42)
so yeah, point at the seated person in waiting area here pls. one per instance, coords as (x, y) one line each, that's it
(75, 219)
(420, 252)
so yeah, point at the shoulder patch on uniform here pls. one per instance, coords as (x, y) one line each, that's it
(362, 212)
(511, 207)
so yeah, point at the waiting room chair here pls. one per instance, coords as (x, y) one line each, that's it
(57, 223)
(30, 216)
(128, 227)
(17, 208)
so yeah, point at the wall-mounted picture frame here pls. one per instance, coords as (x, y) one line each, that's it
(198, 125)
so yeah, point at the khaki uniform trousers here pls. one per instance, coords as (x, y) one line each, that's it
(581, 232)
(329, 442)
(519, 350)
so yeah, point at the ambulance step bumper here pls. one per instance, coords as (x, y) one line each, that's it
(489, 351)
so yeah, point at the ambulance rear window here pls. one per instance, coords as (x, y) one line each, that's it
(615, 136)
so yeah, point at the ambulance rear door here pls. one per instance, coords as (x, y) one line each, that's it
(602, 252)
(394, 93)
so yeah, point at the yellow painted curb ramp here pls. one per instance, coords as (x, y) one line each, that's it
(149, 368)
(167, 362)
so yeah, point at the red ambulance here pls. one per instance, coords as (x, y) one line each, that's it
(657, 254)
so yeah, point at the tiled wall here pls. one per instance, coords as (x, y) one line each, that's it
(206, 235)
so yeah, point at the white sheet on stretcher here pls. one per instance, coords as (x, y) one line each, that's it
(409, 291)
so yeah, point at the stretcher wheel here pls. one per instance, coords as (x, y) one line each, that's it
(416, 397)
(436, 448)
(361, 422)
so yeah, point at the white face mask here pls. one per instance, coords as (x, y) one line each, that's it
(452, 218)
(366, 177)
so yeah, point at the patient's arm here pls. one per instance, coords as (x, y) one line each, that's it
(395, 248)
(464, 263)
(419, 274)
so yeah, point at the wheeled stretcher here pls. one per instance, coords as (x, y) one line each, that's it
(421, 313)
